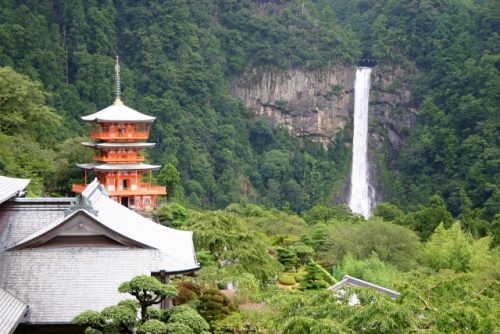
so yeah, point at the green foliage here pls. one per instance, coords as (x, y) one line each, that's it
(132, 304)
(172, 214)
(233, 244)
(178, 328)
(148, 291)
(388, 212)
(426, 219)
(435, 302)
(287, 279)
(214, 305)
(152, 327)
(171, 178)
(237, 323)
(393, 244)
(24, 108)
(109, 321)
(314, 278)
(27, 129)
(370, 269)
(380, 314)
(187, 316)
(119, 316)
(287, 257)
(322, 214)
(448, 249)
(89, 318)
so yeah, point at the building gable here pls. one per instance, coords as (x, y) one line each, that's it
(79, 229)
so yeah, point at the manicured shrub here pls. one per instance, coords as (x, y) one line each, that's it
(287, 279)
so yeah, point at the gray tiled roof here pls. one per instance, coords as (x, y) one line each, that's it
(12, 310)
(11, 187)
(59, 282)
(356, 282)
(23, 216)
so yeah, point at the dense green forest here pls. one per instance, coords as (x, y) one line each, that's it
(259, 201)
(177, 57)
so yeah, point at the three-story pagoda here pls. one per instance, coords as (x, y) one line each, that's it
(119, 134)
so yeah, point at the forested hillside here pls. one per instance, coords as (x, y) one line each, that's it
(177, 57)
(456, 47)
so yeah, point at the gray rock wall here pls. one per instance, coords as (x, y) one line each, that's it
(317, 104)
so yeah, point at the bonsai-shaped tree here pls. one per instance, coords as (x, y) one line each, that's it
(314, 279)
(148, 291)
(214, 305)
(122, 318)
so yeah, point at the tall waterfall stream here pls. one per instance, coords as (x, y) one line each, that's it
(362, 194)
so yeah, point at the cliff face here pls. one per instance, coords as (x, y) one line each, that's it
(317, 104)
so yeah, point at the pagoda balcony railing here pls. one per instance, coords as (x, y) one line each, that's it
(119, 158)
(119, 135)
(142, 189)
(78, 188)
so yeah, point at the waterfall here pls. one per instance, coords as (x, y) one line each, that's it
(361, 192)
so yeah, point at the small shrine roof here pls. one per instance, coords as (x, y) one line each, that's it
(104, 166)
(118, 112)
(359, 283)
(118, 145)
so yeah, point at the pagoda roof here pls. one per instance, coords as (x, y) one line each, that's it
(118, 145)
(104, 166)
(118, 112)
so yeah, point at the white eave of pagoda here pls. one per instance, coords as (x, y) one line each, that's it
(118, 145)
(119, 166)
(118, 113)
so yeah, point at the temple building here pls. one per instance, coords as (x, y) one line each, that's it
(62, 256)
(119, 133)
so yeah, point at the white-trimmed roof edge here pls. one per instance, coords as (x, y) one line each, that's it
(11, 187)
(353, 281)
(118, 112)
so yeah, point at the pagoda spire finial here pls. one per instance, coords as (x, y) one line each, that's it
(117, 82)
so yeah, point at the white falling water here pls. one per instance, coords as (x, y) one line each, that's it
(361, 192)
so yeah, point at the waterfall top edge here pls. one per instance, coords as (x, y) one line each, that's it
(367, 62)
